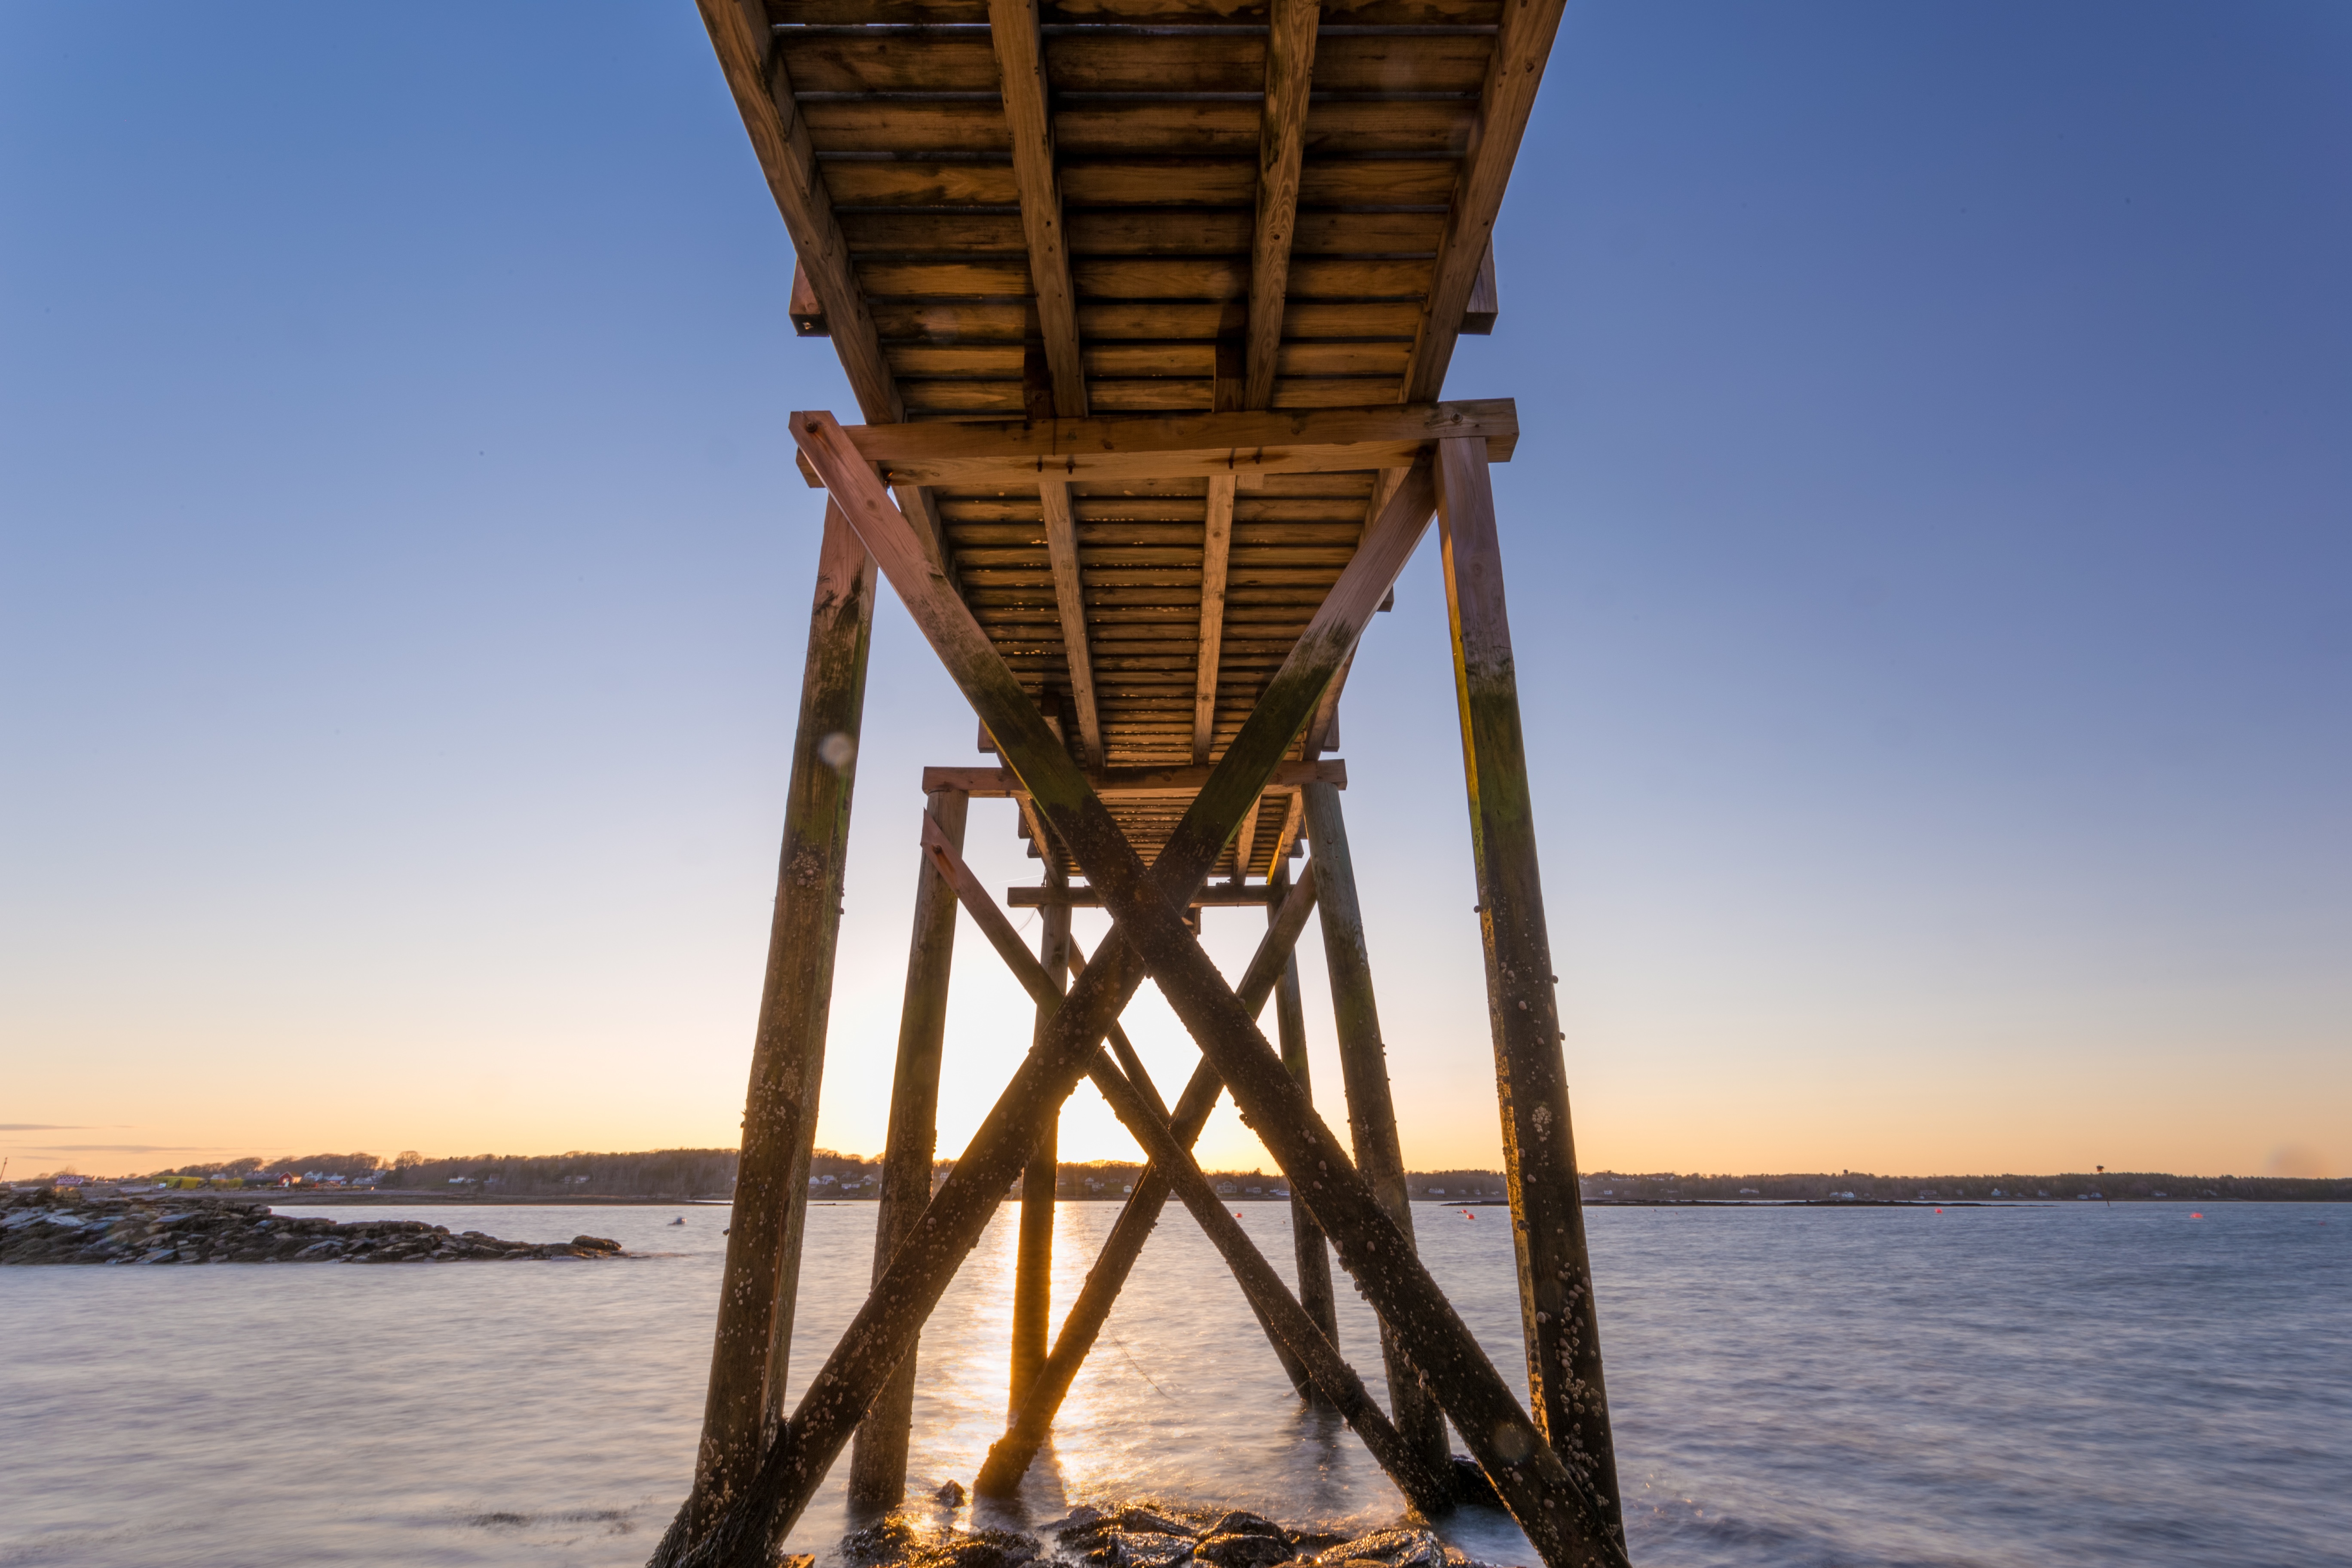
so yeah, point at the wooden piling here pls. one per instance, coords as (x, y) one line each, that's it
(1568, 1401)
(753, 1343)
(1033, 1267)
(1311, 1251)
(1364, 1075)
(878, 1458)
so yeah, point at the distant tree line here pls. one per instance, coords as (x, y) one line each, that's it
(833, 1175)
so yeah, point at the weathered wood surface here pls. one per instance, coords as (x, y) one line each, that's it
(759, 1279)
(1032, 1263)
(877, 1461)
(1364, 1076)
(1556, 1300)
(1552, 1504)
(1070, 606)
(885, 1328)
(1021, 67)
(1304, 441)
(1289, 52)
(1137, 784)
(1311, 1253)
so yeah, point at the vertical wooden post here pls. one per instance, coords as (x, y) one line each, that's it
(1567, 1399)
(752, 1344)
(1364, 1072)
(1033, 1267)
(1313, 1253)
(878, 1459)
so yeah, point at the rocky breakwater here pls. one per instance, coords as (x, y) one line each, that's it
(1139, 1536)
(42, 1228)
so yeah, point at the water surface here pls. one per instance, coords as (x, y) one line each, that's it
(1986, 1387)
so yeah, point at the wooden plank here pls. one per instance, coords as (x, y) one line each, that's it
(1215, 550)
(878, 1459)
(1513, 75)
(1485, 300)
(1070, 600)
(1282, 144)
(1013, 25)
(763, 96)
(1310, 1253)
(1244, 840)
(1307, 441)
(752, 1340)
(1557, 1317)
(1151, 783)
(805, 309)
(1081, 896)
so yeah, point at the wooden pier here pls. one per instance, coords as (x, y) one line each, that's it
(1148, 305)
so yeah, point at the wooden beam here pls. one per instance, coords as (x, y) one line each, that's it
(1310, 1254)
(1557, 1313)
(1011, 1455)
(1131, 783)
(754, 68)
(1244, 841)
(1289, 834)
(1216, 552)
(1081, 896)
(1032, 1263)
(1485, 300)
(752, 1340)
(1282, 143)
(1070, 601)
(1174, 445)
(1020, 67)
(806, 310)
(878, 1459)
(1522, 45)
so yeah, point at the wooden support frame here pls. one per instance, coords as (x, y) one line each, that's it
(1174, 445)
(752, 1343)
(886, 1327)
(1551, 1503)
(1225, 897)
(1282, 146)
(1307, 1354)
(1364, 1076)
(877, 1461)
(1020, 67)
(1010, 1456)
(1556, 1304)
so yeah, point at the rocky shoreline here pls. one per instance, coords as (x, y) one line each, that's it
(1140, 1536)
(43, 1228)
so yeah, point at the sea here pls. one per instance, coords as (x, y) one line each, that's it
(2146, 1385)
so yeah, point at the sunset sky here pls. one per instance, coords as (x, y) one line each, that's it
(1931, 553)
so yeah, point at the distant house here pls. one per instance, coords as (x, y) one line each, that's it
(1435, 1191)
(68, 1180)
(1254, 1191)
(1227, 1188)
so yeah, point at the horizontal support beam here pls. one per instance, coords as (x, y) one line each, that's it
(1129, 783)
(1082, 897)
(1176, 445)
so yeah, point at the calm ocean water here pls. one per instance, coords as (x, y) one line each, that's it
(2068, 1384)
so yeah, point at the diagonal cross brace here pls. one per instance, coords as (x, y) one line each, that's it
(1011, 1455)
(1557, 1510)
(891, 1319)
(1137, 1105)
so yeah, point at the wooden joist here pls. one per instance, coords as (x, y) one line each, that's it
(1013, 28)
(1282, 144)
(1216, 552)
(1070, 602)
(1132, 784)
(1266, 442)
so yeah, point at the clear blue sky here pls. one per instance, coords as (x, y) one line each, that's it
(1929, 558)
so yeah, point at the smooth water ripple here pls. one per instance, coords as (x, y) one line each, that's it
(1977, 1388)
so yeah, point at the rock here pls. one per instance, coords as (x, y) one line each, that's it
(1471, 1485)
(1395, 1548)
(1241, 1523)
(1077, 1521)
(1240, 1549)
(1137, 1518)
(45, 1227)
(950, 1493)
(1146, 1549)
(595, 1244)
(981, 1548)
